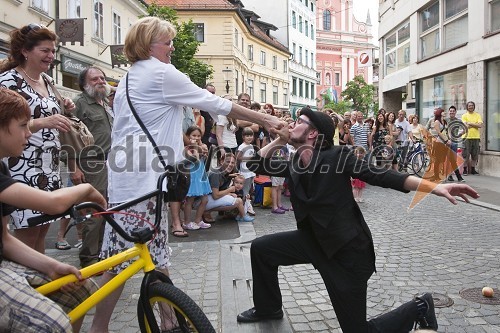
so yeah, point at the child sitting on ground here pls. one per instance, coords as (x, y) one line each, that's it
(357, 184)
(238, 182)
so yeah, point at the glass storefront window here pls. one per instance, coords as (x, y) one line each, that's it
(492, 120)
(443, 91)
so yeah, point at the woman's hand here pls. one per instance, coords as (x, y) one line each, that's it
(272, 122)
(56, 121)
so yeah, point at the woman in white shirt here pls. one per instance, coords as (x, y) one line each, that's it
(225, 132)
(157, 91)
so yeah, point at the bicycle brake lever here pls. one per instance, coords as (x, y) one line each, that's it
(77, 218)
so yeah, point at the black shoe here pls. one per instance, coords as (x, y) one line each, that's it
(251, 316)
(460, 179)
(427, 320)
(450, 179)
(474, 172)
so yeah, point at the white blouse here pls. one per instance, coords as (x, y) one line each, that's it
(158, 92)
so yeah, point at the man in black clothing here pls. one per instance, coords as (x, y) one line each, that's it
(331, 231)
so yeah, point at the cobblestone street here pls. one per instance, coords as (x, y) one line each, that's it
(435, 247)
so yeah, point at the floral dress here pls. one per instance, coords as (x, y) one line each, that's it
(38, 166)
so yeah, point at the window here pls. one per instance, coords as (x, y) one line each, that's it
(306, 89)
(285, 66)
(306, 60)
(494, 15)
(41, 5)
(294, 51)
(306, 26)
(312, 60)
(301, 88)
(262, 58)
(492, 119)
(300, 54)
(262, 92)
(250, 88)
(306, 2)
(294, 20)
(98, 19)
(74, 8)
(117, 29)
(275, 95)
(236, 81)
(236, 37)
(336, 81)
(300, 24)
(285, 96)
(327, 20)
(312, 6)
(312, 91)
(294, 86)
(250, 52)
(199, 32)
(439, 33)
(275, 62)
(312, 32)
(397, 49)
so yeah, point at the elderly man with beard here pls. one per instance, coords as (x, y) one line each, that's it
(90, 165)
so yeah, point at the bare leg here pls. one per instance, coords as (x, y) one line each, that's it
(175, 208)
(278, 195)
(188, 207)
(63, 225)
(274, 196)
(33, 237)
(201, 209)
(105, 308)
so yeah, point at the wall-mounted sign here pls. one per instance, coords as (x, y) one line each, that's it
(72, 65)
(70, 30)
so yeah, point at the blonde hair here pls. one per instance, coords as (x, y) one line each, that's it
(142, 34)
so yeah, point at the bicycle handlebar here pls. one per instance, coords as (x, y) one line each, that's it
(73, 211)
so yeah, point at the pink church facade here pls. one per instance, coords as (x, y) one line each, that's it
(343, 46)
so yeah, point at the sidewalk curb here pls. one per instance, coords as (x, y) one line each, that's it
(482, 204)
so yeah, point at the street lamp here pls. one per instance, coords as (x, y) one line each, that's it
(226, 72)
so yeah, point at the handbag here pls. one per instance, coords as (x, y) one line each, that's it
(178, 176)
(79, 136)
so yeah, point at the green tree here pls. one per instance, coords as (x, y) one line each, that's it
(340, 107)
(186, 46)
(359, 93)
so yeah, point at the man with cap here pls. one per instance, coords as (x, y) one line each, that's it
(331, 231)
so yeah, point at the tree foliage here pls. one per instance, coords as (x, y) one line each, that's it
(185, 45)
(359, 93)
(340, 107)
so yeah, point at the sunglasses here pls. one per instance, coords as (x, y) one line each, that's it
(31, 27)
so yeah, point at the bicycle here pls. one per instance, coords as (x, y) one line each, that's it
(158, 295)
(416, 158)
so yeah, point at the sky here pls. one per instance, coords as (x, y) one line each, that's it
(360, 8)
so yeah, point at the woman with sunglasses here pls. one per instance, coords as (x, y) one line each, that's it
(32, 51)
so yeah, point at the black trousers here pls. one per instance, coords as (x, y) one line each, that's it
(345, 277)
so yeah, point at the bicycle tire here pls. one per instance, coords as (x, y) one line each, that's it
(419, 164)
(190, 317)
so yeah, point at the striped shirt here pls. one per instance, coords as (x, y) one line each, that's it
(359, 133)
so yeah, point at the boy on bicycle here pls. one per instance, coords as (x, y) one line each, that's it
(22, 269)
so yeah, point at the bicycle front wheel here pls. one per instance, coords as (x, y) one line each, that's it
(173, 308)
(419, 164)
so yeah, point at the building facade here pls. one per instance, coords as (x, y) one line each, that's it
(296, 21)
(440, 53)
(240, 47)
(105, 23)
(344, 47)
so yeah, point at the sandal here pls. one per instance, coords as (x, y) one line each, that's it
(62, 245)
(180, 233)
(204, 225)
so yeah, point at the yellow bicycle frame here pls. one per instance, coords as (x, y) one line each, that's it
(142, 261)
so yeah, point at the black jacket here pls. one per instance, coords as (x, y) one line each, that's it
(321, 194)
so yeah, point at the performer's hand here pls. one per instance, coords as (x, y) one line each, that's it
(450, 191)
(282, 132)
